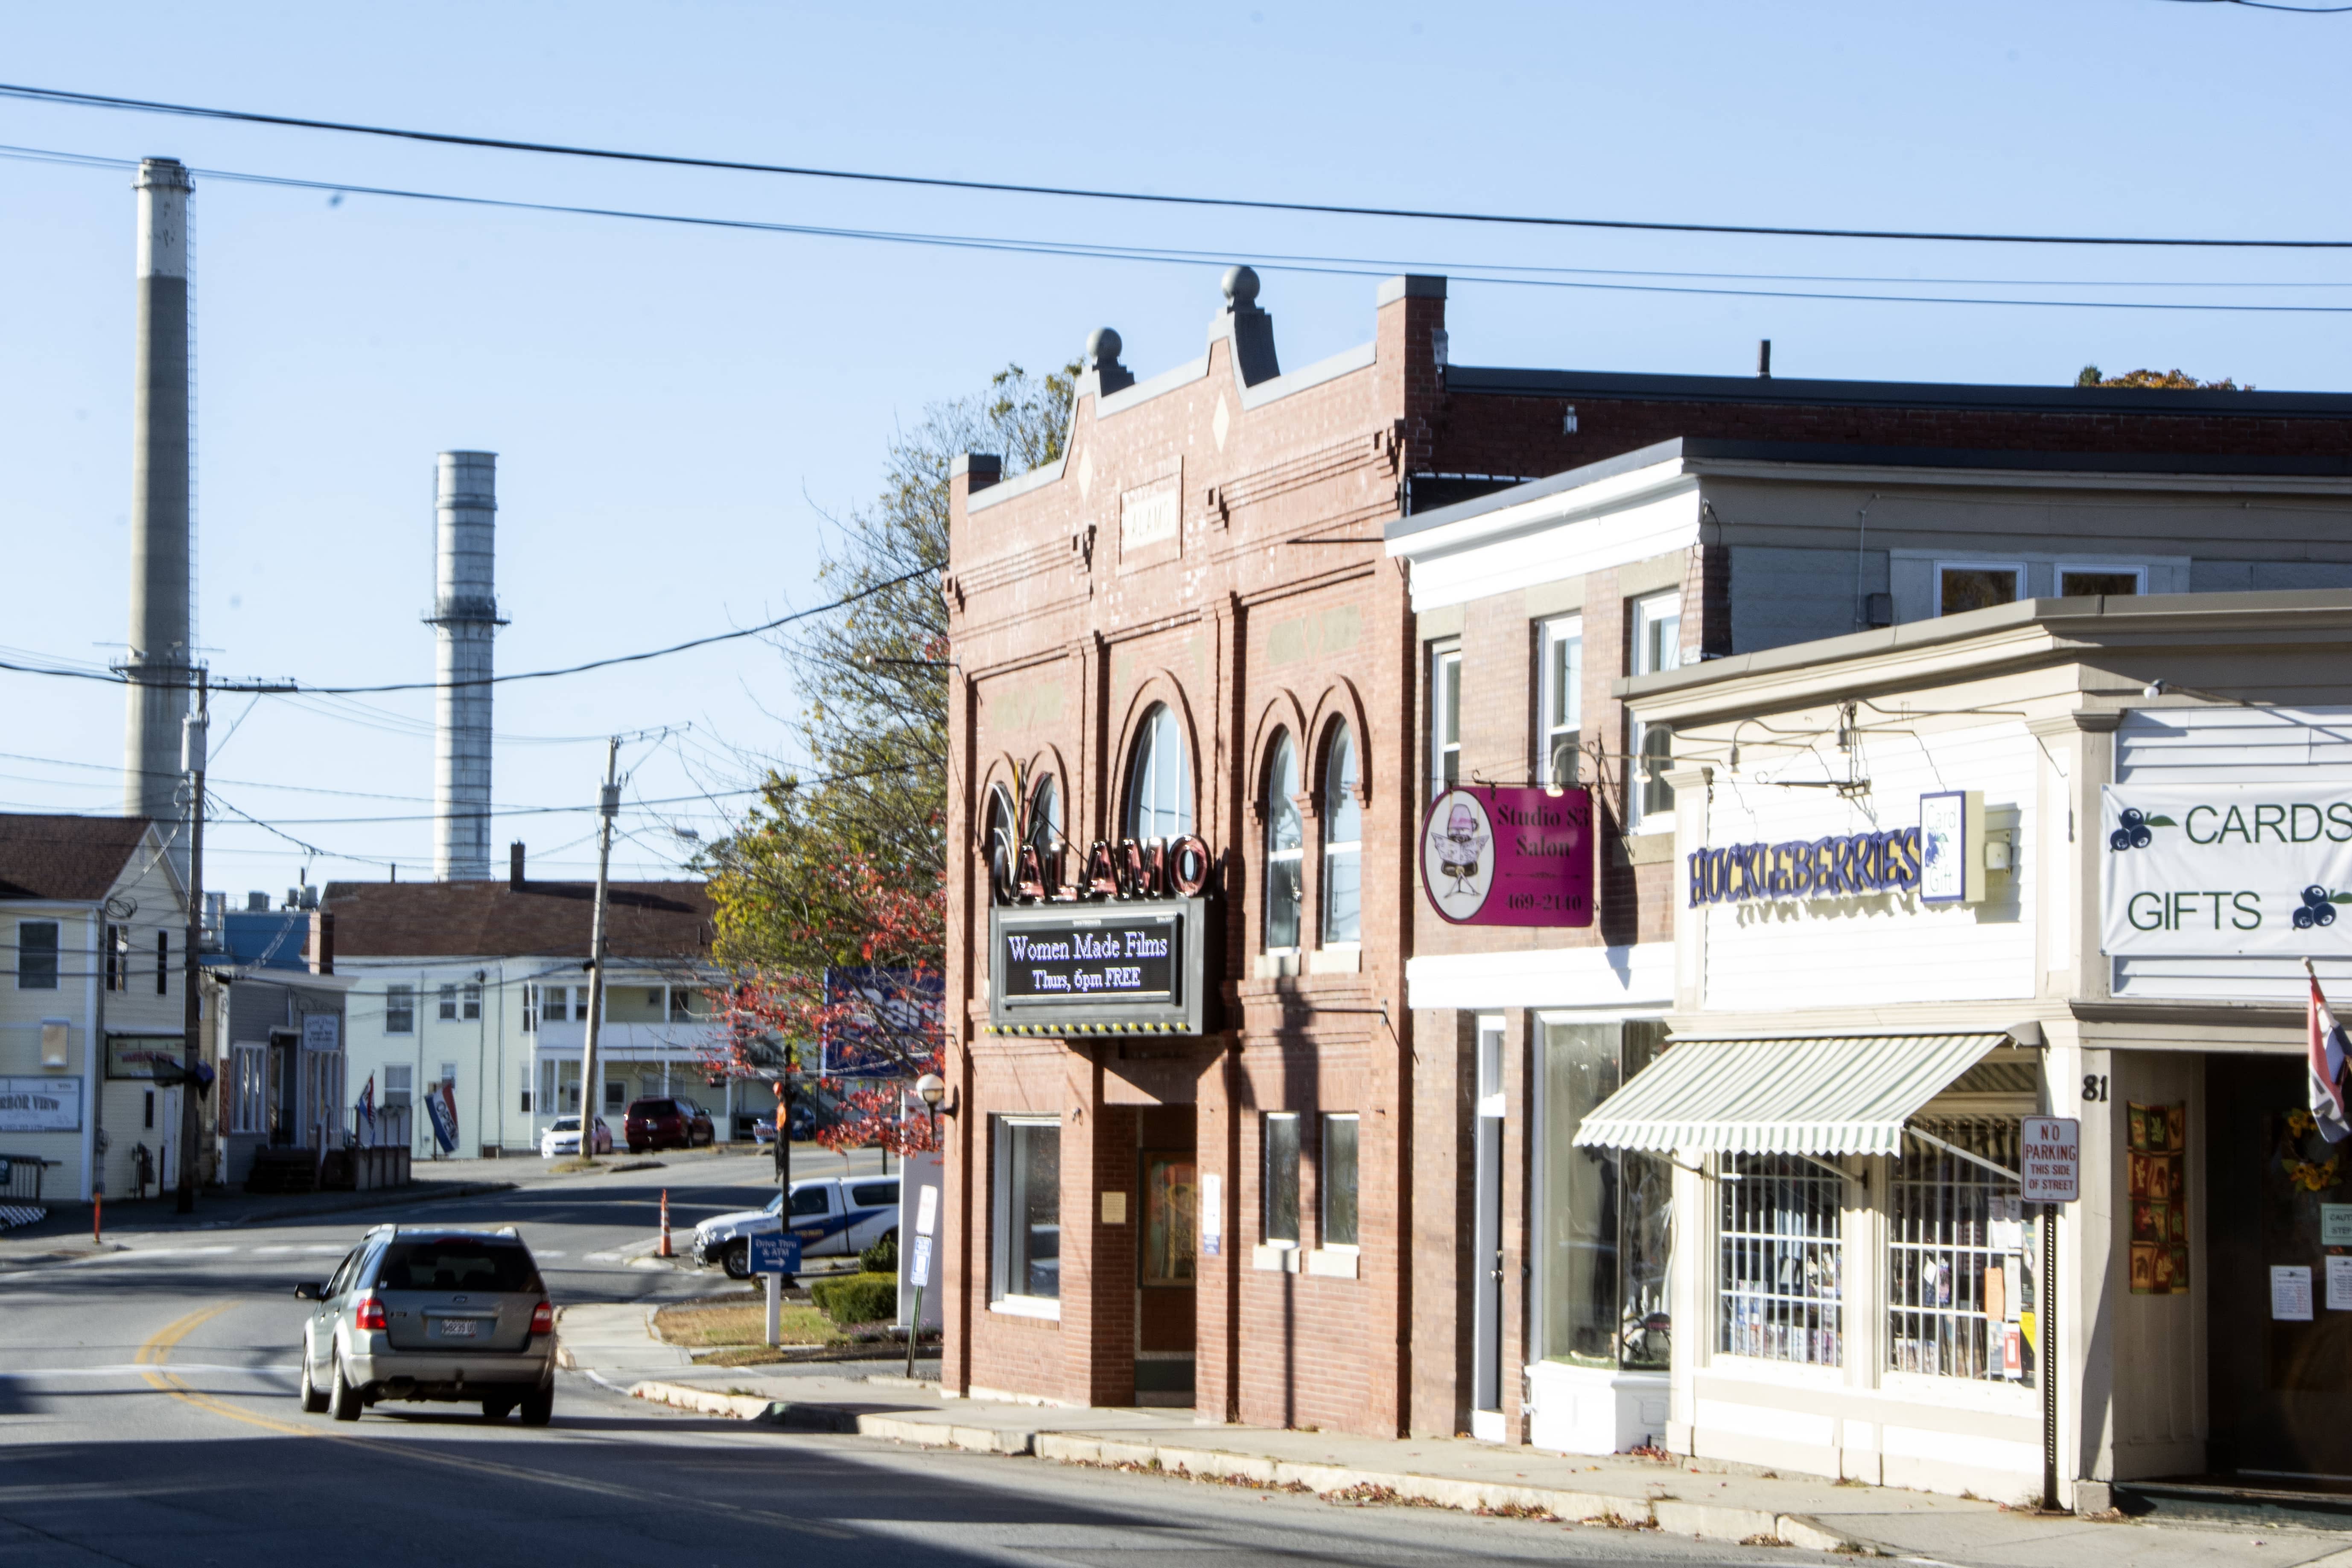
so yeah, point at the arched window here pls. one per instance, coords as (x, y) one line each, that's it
(1284, 846)
(997, 844)
(1343, 842)
(1045, 818)
(1159, 781)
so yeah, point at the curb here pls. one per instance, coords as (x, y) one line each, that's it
(374, 1197)
(1704, 1521)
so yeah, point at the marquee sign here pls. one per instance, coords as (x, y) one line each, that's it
(1493, 856)
(2225, 869)
(1067, 968)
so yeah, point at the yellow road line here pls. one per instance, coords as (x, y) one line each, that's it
(156, 1353)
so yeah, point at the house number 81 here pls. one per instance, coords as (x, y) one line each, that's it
(2095, 1087)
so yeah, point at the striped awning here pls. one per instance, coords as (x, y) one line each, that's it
(1837, 1095)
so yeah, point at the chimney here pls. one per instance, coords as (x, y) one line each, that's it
(514, 865)
(465, 617)
(160, 636)
(321, 949)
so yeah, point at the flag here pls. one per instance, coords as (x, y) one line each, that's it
(2327, 1048)
(367, 1106)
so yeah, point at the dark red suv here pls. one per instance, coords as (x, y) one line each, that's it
(665, 1124)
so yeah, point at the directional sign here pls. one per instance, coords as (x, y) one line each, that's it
(775, 1253)
(2052, 1150)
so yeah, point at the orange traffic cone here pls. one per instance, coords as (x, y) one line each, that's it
(666, 1252)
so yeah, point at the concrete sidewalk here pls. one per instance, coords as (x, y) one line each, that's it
(1682, 1496)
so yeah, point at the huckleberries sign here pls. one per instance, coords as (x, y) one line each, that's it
(2225, 869)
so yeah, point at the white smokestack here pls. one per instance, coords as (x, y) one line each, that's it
(160, 655)
(465, 617)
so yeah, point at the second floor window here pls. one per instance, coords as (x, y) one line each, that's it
(400, 1009)
(1284, 846)
(1159, 780)
(37, 954)
(1657, 646)
(1560, 699)
(448, 1008)
(1343, 845)
(1444, 720)
(473, 1007)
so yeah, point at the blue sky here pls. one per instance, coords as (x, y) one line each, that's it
(678, 410)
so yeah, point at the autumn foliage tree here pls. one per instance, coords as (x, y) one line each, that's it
(842, 864)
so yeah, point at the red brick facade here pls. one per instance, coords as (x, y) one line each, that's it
(1271, 607)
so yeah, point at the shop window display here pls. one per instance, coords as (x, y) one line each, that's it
(1960, 1300)
(1606, 1212)
(1783, 1260)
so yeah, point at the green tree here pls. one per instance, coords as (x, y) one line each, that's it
(2170, 380)
(843, 862)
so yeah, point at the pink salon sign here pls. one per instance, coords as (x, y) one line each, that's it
(1493, 856)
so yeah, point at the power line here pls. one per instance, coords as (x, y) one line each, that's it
(291, 688)
(1513, 274)
(1007, 187)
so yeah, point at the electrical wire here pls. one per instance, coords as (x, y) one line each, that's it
(1501, 274)
(285, 688)
(1008, 187)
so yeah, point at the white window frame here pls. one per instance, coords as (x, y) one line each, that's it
(405, 1087)
(2018, 567)
(1444, 715)
(1551, 723)
(1159, 745)
(471, 1005)
(1337, 849)
(1734, 1308)
(1001, 1298)
(56, 951)
(1277, 803)
(249, 1088)
(1939, 1253)
(445, 998)
(2059, 570)
(399, 1002)
(529, 1009)
(1647, 612)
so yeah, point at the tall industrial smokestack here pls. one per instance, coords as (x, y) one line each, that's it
(160, 655)
(466, 615)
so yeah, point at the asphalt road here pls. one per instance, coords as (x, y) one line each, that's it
(148, 1415)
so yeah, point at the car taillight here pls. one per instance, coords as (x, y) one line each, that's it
(542, 1318)
(371, 1313)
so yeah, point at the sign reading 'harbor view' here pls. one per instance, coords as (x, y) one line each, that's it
(1509, 857)
(1113, 967)
(2226, 869)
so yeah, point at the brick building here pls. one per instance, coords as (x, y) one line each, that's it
(1244, 1172)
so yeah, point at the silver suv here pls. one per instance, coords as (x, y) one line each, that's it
(427, 1311)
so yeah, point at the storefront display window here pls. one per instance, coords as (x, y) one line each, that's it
(1959, 1298)
(1784, 1259)
(1605, 1213)
(1029, 1207)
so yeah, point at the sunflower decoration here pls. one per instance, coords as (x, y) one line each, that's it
(2308, 1174)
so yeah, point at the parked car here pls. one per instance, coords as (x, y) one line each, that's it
(834, 1217)
(430, 1313)
(564, 1138)
(664, 1122)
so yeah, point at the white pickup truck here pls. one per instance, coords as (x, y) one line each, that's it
(834, 1217)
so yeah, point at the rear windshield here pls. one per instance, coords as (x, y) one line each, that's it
(456, 1263)
(875, 1194)
(651, 1107)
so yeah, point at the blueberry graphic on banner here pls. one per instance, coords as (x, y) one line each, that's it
(2303, 920)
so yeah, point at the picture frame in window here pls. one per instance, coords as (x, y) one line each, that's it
(1171, 1234)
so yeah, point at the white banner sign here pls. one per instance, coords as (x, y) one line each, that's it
(2226, 869)
(40, 1104)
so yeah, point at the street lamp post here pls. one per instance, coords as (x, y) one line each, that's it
(930, 1089)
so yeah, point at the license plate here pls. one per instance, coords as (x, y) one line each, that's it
(458, 1328)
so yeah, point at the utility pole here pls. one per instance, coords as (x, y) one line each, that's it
(193, 733)
(592, 1092)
